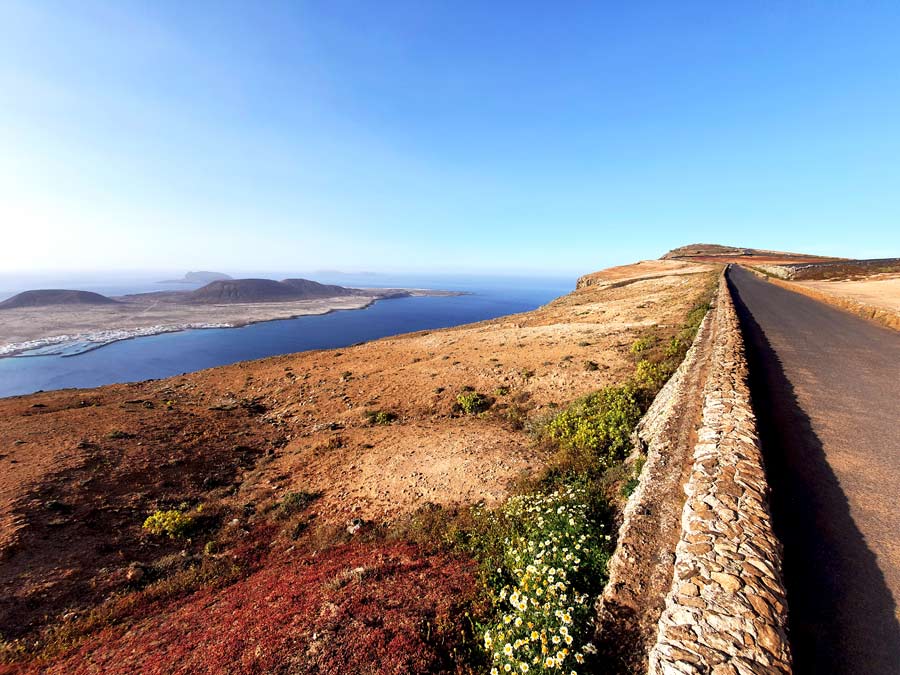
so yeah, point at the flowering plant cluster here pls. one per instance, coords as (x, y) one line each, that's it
(173, 523)
(599, 425)
(556, 563)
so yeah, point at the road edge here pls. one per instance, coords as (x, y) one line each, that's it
(882, 317)
(726, 611)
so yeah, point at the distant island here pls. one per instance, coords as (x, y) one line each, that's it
(199, 277)
(69, 322)
(228, 291)
(55, 296)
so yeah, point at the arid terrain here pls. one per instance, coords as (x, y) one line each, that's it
(882, 290)
(327, 491)
(867, 288)
(368, 437)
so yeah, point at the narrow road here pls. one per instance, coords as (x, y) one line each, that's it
(826, 390)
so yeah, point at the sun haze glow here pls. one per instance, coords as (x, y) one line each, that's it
(442, 136)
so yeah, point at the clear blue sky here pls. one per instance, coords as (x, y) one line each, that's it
(451, 136)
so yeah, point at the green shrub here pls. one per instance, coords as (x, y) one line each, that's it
(653, 374)
(172, 523)
(598, 426)
(675, 348)
(630, 484)
(472, 403)
(644, 343)
(695, 316)
(295, 502)
(591, 366)
(516, 415)
(12, 650)
(380, 417)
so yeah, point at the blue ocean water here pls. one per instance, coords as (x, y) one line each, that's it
(170, 354)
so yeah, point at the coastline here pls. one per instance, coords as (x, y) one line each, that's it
(72, 345)
(68, 343)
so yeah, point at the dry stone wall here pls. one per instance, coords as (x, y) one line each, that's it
(640, 569)
(780, 271)
(726, 612)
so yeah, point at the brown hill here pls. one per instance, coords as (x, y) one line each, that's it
(55, 296)
(720, 253)
(263, 290)
(313, 289)
(694, 250)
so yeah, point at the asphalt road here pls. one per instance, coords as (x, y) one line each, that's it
(826, 390)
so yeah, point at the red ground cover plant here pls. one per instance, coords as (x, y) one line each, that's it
(355, 608)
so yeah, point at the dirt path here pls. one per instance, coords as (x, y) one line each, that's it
(826, 388)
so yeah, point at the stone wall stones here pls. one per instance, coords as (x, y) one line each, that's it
(726, 612)
(640, 569)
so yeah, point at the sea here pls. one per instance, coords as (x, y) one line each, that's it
(168, 354)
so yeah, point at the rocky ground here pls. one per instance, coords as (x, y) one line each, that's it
(81, 470)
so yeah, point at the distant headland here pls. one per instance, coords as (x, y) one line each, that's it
(199, 277)
(55, 296)
(69, 322)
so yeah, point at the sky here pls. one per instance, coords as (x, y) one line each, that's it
(519, 137)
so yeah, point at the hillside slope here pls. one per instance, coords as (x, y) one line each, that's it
(263, 290)
(719, 253)
(277, 458)
(53, 297)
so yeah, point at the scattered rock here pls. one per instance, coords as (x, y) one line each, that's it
(135, 574)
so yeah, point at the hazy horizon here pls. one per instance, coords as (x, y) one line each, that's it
(405, 137)
(123, 282)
